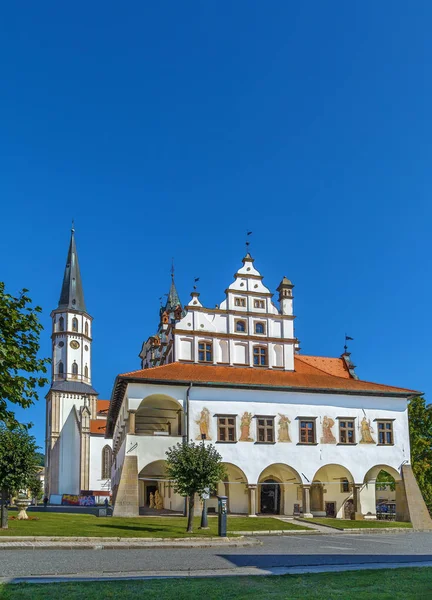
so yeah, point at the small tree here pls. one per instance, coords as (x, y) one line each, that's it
(420, 427)
(35, 488)
(18, 464)
(19, 344)
(194, 467)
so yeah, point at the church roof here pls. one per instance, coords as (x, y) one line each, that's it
(72, 294)
(311, 374)
(73, 387)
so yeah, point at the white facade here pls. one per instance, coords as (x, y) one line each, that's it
(287, 449)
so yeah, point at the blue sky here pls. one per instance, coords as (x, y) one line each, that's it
(168, 129)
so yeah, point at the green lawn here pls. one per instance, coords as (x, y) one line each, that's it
(348, 524)
(385, 584)
(70, 524)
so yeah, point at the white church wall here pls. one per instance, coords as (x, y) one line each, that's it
(97, 444)
(69, 456)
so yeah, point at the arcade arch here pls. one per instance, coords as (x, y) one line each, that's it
(279, 490)
(331, 492)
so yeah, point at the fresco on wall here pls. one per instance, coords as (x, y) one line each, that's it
(327, 434)
(245, 424)
(366, 432)
(204, 424)
(283, 432)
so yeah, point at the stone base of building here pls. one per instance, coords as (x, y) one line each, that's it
(126, 496)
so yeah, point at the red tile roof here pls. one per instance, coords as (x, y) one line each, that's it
(328, 376)
(332, 366)
(98, 426)
(103, 405)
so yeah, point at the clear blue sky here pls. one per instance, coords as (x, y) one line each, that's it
(168, 129)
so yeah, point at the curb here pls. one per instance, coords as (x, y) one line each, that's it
(360, 529)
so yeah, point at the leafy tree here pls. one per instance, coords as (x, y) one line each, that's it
(18, 464)
(384, 477)
(35, 487)
(40, 458)
(20, 368)
(420, 425)
(194, 467)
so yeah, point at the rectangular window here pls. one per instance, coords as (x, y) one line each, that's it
(205, 353)
(385, 433)
(227, 429)
(345, 486)
(307, 432)
(240, 302)
(346, 431)
(259, 356)
(265, 430)
(259, 303)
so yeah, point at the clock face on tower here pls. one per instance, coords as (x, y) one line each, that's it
(74, 344)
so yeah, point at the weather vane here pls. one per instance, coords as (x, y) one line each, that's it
(248, 233)
(195, 282)
(73, 225)
(347, 337)
(172, 267)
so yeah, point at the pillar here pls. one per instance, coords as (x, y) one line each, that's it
(131, 424)
(306, 502)
(252, 499)
(368, 499)
(357, 515)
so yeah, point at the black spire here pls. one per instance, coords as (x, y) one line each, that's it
(72, 295)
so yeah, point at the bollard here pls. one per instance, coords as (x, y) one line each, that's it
(222, 515)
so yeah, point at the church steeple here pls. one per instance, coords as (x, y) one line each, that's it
(72, 294)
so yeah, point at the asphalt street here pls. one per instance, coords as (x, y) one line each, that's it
(292, 551)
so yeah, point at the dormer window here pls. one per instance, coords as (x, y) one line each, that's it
(259, 328)
(240, 326)
(260, 356)
(259, 304)
(74, 324)
(240, 302)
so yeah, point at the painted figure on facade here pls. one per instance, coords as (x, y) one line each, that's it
(245, 424)
(151, 500)
(366, 432)
(327, 436)
(204, 425)
(158, 500)
(283, 433)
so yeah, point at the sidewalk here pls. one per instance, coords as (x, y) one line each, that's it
(82, 543)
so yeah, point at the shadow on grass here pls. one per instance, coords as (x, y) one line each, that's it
(148, 528)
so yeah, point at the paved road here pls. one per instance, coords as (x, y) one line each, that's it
(332, 549)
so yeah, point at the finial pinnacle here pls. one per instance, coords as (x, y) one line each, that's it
(172, 268)
(73, 226)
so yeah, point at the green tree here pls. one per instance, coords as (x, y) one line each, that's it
(20, 368)
(384, 477)
(18, 464)
(194, 467)
(40, 459)
(420, 426)
(35, 487)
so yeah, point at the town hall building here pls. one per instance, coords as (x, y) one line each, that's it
(298, 434)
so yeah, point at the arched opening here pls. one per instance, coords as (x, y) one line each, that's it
(331, 492)
(259, 328)
(279, 490)
(74, 324)
(159, 414)
(86, 329)
(61, 324)
(106, 462)
(152, 478)
(235, 487)
(383, 494)
(74, 369)
(86, 372)
(241, 326)
(61, 369)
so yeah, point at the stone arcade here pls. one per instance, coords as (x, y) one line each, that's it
(298, 434)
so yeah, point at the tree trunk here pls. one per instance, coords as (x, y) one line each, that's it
(4, 509)
(191, 513)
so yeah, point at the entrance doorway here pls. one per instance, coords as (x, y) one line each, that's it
(270, 497)
(149, 489)
(330, 509)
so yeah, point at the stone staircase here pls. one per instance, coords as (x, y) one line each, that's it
(416, 507)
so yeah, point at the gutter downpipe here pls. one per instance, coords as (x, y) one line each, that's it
(186, 436)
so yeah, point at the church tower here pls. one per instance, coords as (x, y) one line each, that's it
(71, 400)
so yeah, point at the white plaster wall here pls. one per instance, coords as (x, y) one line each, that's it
(97, 443)
(69, 456)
